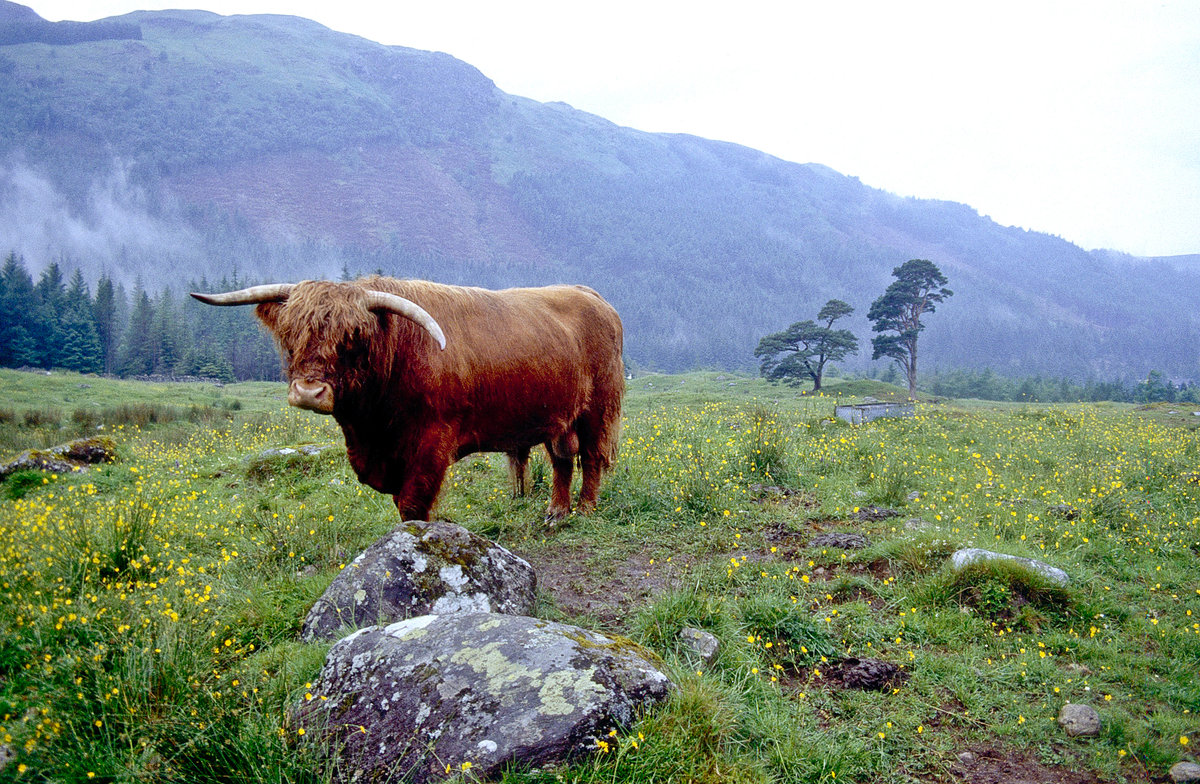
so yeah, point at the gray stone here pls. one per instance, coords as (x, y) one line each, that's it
(870, 674)
(839, 540)
(1065, 511)
(703, 644)
(874, 514)
(304, 449)
(1079, 721)
(970, 555)
(415, 700)
(1182, 772)
(420, 569)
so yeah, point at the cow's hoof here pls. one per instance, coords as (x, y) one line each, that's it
(555, 514)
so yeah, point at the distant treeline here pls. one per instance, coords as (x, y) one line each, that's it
(56, 322)
(44, 32)
(987, 385)
(59, 323)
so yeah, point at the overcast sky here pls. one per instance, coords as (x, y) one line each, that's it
(1080, 119)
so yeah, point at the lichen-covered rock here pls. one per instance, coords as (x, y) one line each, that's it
(415, 700)
(420, 569)
(962, 558)
(1184, 772)
(1079, 720)
(64, 458)
(704, 645)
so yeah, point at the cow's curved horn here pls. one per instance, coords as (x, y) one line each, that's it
(381, 300)
(273, 292)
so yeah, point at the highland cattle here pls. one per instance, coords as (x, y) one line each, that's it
(419, 375)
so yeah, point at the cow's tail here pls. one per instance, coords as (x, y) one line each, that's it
(608, 430)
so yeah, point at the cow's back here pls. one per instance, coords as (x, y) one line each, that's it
(521, 365)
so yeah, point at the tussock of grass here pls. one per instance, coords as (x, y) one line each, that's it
(1006, 593)
(915, 553)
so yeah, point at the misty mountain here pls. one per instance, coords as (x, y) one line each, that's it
(283, 150)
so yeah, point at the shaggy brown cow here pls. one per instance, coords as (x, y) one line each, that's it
(420, 374)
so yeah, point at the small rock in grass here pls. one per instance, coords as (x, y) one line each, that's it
(1079, 721)
(874, 514)
(702, 643)
(839, 540)
(1065, 511)
(869, 674)
(1182, 772)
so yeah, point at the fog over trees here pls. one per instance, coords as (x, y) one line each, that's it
(280, 150)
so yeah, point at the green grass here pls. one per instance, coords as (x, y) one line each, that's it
(150, 607)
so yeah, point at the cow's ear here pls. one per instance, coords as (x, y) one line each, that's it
(268, 313)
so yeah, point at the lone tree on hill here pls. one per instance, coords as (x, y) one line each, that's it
(801, 351)
(918, 287)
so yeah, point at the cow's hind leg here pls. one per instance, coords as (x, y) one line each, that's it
(599, 436)
(562, 452)
(589, 492)
(518, 472)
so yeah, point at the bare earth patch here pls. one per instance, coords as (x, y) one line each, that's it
(988, 765)
(608, 592)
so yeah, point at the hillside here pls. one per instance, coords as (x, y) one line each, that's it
(280, 149)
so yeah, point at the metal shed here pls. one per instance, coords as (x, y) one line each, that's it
(865, 412)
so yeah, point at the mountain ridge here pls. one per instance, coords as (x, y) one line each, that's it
(281, 148)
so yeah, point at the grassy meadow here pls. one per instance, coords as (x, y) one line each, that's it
(149, 608)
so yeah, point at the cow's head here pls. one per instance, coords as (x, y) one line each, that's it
(325, 331)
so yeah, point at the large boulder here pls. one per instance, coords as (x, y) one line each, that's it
(420, 569)
(416, 700)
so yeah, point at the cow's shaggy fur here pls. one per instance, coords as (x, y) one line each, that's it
(521, 367)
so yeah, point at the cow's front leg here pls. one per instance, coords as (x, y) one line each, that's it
(416, 500)
(421, 485)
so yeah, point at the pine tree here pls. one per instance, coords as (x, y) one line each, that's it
(17, 302)
(104, 311)
(137, 349)
(918, 287)
(801, 351)
(81, 349)
(50, 295)
(168, 335)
